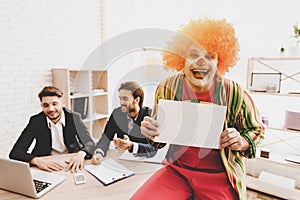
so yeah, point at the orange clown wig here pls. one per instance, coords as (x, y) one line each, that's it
(217, 37)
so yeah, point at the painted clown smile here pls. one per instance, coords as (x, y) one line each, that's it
(200, 73)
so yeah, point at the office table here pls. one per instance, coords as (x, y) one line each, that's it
(94, 189)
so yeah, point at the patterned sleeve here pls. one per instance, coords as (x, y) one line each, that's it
(158, 95)
(249, 124)
(166, 90)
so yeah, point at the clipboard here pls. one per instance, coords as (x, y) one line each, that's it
(109, 171)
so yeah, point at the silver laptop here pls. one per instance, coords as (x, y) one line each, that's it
(16, 176)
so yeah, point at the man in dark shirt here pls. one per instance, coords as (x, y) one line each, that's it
(125, 121)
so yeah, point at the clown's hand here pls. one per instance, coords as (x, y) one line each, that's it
(232, 139)
(149, 127)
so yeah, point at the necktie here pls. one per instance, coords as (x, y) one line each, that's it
(130, 125)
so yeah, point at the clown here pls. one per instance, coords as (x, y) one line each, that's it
(202, 52)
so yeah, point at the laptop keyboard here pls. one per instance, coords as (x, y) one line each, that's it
(40, 185)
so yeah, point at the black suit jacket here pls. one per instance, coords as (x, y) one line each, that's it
(118, 123)
(75, 134)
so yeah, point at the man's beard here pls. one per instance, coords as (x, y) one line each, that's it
(129, 109)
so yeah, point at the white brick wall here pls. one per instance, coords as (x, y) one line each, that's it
(35, 36)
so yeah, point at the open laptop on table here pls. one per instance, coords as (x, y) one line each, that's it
(16, 176)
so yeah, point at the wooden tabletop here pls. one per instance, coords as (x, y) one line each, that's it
(94, 189)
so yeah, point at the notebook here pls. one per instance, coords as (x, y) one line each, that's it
(18, 177)
(81, 106)
(158, 158)
(109, 171)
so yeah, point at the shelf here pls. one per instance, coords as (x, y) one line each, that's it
(287, 67)
(283, 129)
(99, 94)
(282, 192)
(89, 84)
(273, 58)
(99, 116)
(280, 141)
(280, 160)
(278, 166)
(276, 94)
(86, 120)
(78, 95)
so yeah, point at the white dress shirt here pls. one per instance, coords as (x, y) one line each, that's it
(58, 144)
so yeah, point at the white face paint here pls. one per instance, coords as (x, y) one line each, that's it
(200, 68)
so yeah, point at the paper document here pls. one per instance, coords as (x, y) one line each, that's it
(109, 171)
(158, 158)
(190, 124)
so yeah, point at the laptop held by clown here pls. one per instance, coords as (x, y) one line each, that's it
(16, 176)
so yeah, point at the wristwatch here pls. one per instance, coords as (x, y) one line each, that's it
(99, 151)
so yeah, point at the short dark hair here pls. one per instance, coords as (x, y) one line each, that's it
(50, 91)
(135, 89)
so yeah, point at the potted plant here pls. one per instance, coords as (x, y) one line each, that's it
(296, 36)
(296, 33)
(294, 51)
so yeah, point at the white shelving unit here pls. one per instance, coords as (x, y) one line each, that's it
(279, 140)
(91, 85)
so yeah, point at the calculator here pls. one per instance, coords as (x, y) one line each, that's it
(79, 178)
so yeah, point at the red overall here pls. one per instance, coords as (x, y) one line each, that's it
(190, 172)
